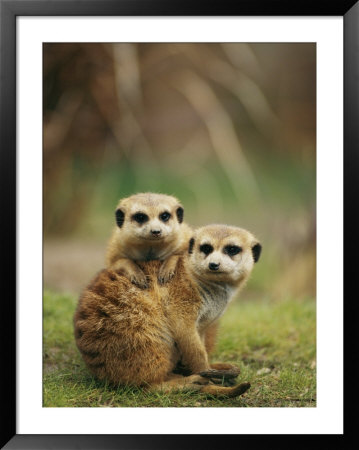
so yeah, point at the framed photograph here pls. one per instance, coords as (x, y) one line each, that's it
(242, 114)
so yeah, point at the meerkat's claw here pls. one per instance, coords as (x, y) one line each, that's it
(140, 282)
(165, 277)
(168, 269)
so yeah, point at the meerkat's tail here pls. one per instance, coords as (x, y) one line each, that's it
(197, 383)
(226, 392)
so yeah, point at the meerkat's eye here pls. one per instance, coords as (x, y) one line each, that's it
(206, 249)
(140, 217)
(232, 250)
(165, 216)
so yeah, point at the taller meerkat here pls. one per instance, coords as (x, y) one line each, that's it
(149, 226)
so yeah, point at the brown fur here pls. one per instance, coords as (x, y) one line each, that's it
(210, 337)
(127, 335)
(132, 241)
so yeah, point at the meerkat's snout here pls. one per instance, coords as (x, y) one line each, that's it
(214, 266)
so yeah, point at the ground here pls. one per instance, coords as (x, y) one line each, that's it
(273, 342)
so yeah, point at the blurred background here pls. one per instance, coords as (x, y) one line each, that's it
(229, 129)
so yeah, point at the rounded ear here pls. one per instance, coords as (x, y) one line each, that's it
(256, 251)
(191, 244)
(120, 217)
(179, 214)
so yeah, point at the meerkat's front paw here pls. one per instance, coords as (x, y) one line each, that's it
(139, 279)
(141, 283)
(167, 269)
(131, 271)
(165, 276)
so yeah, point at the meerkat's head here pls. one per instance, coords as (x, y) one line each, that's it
(149, 217)
(223, 253)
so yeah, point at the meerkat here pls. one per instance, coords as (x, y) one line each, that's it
(128, 335)
(222, 260)
(148, 226)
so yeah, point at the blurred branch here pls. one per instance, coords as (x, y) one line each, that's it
(249, 94)
(127, 73)
(129, 97)
(219, 126)
(247, 91)
(242, 57)
(58, 123)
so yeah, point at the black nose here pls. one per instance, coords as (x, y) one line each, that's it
(156, 232)
(213, 266)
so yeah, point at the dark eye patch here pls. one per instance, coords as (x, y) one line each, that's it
(206, 249)
(232, 250)
(256, 251)
(140, 217)
(120, 217)
(191, 244)
(179, 214)
(165, 216)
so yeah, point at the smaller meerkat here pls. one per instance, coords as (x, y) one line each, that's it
(149, 226)
(221, 259)
(128, 335)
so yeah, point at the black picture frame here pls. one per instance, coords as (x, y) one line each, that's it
(9, 10)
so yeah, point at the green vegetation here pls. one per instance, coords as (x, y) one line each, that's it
(283, 186)
(272, 342)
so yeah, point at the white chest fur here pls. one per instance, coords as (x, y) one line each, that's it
(215, 298)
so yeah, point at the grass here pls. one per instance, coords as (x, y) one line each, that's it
(272, 342)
